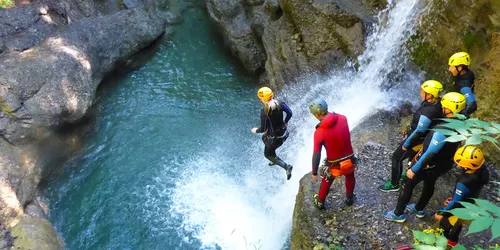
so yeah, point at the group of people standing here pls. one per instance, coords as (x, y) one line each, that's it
(430, 156)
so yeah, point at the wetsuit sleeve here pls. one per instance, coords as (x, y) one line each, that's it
(437, 143)
(287, 110)
(470, 99)
(423, 124)
(461, 191)
(318, 142)
(263, 120)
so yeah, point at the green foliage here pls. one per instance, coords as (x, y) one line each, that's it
(6, 3)
(472, 131)
(483, 215)
(429, 240)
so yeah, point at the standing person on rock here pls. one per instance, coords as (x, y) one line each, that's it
(463, 80)
(435, 160)
(333, 133)
(424, 119)
(474, 176)
(274, 127)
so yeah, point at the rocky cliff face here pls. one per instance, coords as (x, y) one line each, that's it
(283, 39)
(53, 56)
(466, 25)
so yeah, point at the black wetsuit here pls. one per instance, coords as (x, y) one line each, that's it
(436, 160)
(464, 84)
(275, 131)
(424, 119)
(468, 186)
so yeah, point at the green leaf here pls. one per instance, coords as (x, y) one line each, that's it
(460, 116)
(445, 131)
(454, 126)
(465, 214)
(482, 124)
(463, 131)
(425, 238)
(496, 125)
(477, 131)
(449, 120)
(474, 208)
(495, 229)
(459, 247)
(489, 138)
(474, 140)
(442, 242)
(493, 130)
(479, 225)
(488, 206)
(456, 138)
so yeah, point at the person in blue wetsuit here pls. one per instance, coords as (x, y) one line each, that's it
(274, 127)
(435, 160)
(473, 178)
(424, 119)
(463, 80)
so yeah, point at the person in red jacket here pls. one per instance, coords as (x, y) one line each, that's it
(333, 133)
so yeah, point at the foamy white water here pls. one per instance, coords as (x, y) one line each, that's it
(253, 207)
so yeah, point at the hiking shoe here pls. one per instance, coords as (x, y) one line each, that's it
(319, 204)
(411, 208)
(349, 199)
(388, 187)
(390, 216)
(289, 172)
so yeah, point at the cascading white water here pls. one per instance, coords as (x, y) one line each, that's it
(240, 202)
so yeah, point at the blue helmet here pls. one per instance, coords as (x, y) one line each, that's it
(318, 106)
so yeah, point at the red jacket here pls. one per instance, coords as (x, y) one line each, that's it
(333, 133)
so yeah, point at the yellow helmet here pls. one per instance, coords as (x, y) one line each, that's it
(469, 157)
(265, 94)
(432, 87)
(454, 101)
(460, 58)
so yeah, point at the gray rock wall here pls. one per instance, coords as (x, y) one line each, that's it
(284, 39)
(53, 56)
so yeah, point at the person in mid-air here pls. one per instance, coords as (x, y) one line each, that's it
(274, 127)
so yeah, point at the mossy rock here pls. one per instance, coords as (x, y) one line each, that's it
(35, 233)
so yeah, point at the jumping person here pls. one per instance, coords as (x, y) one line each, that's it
(274, 127)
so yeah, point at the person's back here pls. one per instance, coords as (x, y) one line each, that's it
(333, 133)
